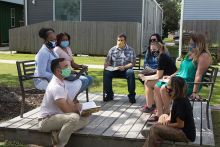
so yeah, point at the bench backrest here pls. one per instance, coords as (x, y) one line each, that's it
(25, 69)
(137, 65)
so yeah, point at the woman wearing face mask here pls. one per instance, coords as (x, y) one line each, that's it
(44, 57)
(165, 67)
(64, 51)
(192, 69)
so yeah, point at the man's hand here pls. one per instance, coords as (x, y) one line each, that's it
(106, 65)
(77, 107)
(121, 68)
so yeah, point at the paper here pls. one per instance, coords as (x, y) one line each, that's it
(111, 68)
(88, 108)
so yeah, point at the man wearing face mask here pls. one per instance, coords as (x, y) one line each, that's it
(122, 58)
(44, 57)
(58, 112)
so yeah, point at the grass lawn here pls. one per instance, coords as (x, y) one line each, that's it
(78, 59)
(8, 77)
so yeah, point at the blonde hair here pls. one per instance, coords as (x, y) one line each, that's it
(159, 45)
(201, 46)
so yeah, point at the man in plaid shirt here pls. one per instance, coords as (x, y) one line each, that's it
(119, 63)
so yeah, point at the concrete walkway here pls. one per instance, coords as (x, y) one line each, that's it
(89, 65)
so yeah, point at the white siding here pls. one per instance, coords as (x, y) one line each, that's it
(201, 10)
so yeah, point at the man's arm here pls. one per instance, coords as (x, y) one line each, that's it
(108, 59)
(67, 107)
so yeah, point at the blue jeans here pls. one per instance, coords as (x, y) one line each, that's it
(127, 74)
(86, 82)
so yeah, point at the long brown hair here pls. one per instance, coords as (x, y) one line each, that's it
(201, 45)
(179, 87)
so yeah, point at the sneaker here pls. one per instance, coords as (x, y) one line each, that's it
(132, 100)
(153, 118)
(147, 109)
(108, 98)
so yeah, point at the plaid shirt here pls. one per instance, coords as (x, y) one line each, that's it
(121, 57)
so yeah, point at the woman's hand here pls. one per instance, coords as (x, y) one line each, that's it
(164, 119)
(166, 77)
(195, 96)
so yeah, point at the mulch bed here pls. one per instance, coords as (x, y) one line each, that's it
(10, 102)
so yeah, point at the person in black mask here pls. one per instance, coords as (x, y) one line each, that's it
(44, 57)
(166, 66)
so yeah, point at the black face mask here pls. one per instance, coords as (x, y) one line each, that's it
(50, 45)
(155, 53)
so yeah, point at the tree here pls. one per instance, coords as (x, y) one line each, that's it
(171, 15)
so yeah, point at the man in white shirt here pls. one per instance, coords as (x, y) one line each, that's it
(59, 112)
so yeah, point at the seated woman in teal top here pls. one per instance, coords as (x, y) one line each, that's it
(192, 69)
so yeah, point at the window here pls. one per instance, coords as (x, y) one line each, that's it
(12, 17)
(67, 10)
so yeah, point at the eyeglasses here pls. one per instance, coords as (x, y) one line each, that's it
(169, 90)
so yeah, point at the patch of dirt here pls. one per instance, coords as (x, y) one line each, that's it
(10, 102)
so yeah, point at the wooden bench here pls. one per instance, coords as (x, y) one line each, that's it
(25, 71)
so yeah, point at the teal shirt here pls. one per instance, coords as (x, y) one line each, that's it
(187, 71)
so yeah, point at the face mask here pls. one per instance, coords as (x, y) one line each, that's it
(192, 46)
(66, 72)
(155, 53)
(51, 44)
(64, 44)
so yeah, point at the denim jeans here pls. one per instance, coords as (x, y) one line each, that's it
(127, 74)
(86, 82)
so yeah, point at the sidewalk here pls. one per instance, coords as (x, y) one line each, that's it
(89, 65)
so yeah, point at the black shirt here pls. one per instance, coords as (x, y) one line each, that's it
(166, 64)
(183, 110)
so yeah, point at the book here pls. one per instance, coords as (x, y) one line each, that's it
(88, 108)
(111, 68)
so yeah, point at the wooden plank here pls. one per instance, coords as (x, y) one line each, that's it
(133, 117)
(29, 124)
(123, 117)
(102, 116)
(16, 119)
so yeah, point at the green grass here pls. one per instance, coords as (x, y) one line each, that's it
(78, 59)
(8, 77)
(174, 50)
(168, 40)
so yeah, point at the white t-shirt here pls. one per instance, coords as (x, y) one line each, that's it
(57, 89)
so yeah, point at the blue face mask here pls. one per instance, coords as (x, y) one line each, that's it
(64, 44)
(192, 46)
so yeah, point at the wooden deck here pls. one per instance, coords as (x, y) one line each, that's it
(117, 124)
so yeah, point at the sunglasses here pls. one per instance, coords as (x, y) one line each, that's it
(153, 40)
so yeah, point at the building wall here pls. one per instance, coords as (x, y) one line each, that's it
(201, 10)
(112, 10)
(5, 19)
(41, 11)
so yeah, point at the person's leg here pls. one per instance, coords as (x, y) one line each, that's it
(108, 75)
(66, 124)
(159, 132)
(86, 82)
(149, 92)
(129, 75)
(165, 99)
(158, 101)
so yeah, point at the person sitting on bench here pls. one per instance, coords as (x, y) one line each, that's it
(179, 125)
(64, 51)
(119, 63)
(59, 110)
(44, 57)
